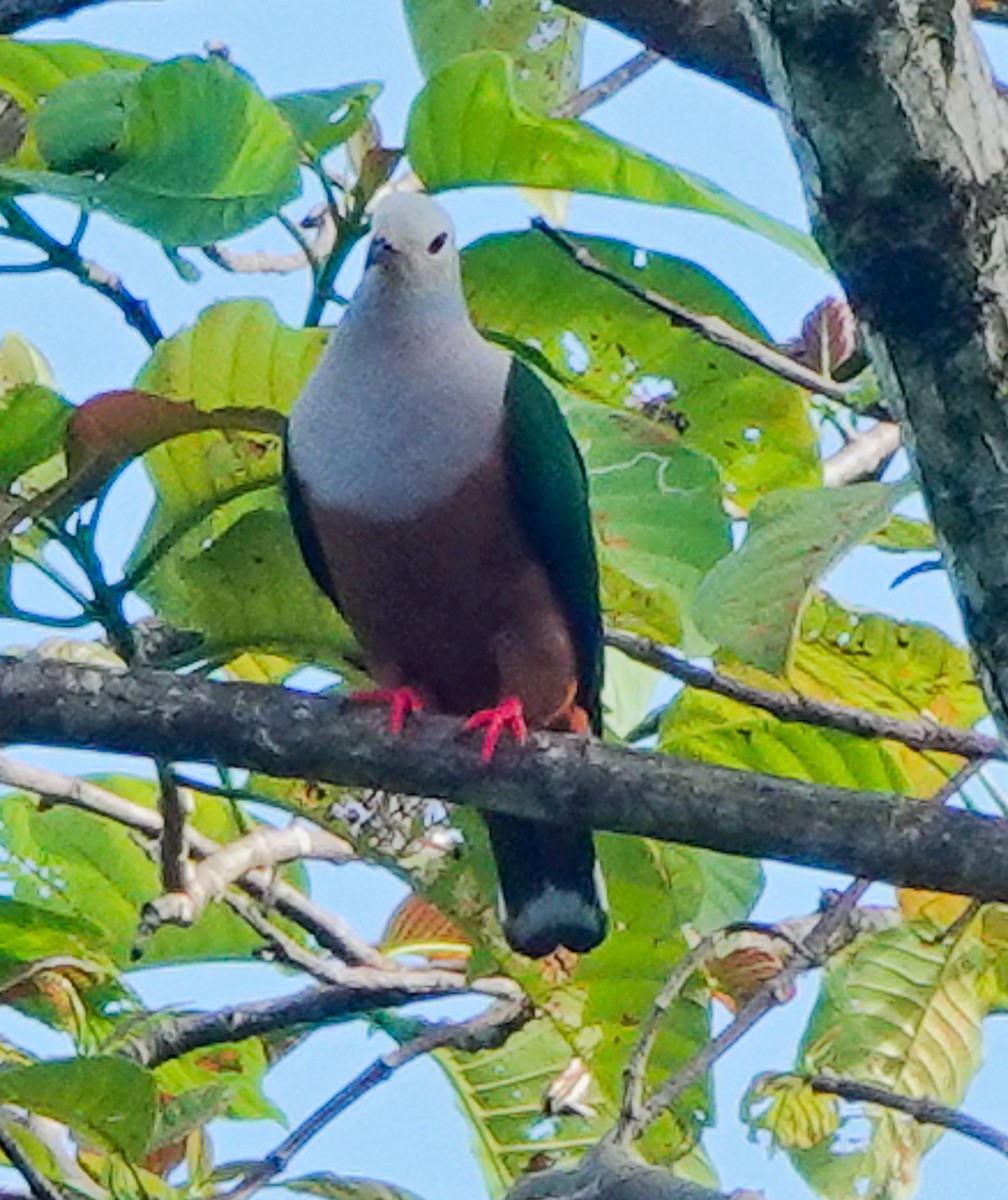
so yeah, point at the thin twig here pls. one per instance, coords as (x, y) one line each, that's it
(328, 929)
(608, 85)
(40, 1187)
(794, 707)
(833, 930)
(489, 1028)
(64, 257)
(952, 932)
(633, 1073)
(267, 262)
(864, 456)
(713, 329)
(920, 1108)
(262, 849)
(175, 808)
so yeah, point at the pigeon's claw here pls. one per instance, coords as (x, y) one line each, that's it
(402, 702)
(508, 715)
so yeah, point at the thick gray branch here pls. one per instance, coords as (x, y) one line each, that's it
(903, 146)
(556, 778)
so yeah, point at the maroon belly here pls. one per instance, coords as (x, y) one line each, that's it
(453, 602)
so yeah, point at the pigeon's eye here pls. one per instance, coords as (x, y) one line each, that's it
(438, 243)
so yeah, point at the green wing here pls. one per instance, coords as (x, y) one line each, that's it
(549, 488)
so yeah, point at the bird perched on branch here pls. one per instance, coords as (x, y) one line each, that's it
(442, 505)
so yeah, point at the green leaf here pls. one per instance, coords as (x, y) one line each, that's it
(31, 71)
(30, 933)
(893, 668)
(322, 120)
(749, 604)
(238, 354)
(89, 872)
(467, 128)
(902, 533)
(236, 1070)
(21, 363)
(604, 345)
(659, 517)
(107, 1098)
(242, 584)
(544, 42)
(501, 1094)
(155, 175)
(339, 1187)
(221, 552)
(81, 125)
(902, 1009)
(32, 422)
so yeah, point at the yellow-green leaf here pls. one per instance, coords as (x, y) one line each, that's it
(467, 127)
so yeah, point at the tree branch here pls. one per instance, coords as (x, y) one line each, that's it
(863, 456)
(263, 849)
(805, 710)
(175, 807)
(21, 227)
(923, 1110)
(709, 36)
(363, 989)
(554, 777)
(484, 1031)
(329, 930)
(712, 329)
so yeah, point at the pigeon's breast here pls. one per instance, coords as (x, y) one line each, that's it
(388, 437)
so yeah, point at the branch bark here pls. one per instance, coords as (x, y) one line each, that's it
(555, 778)
(260, 850)
(364, 989)
(907, 200)
(485, 1031)
(807, 710)
(923, 1110)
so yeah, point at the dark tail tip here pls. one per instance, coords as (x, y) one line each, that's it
(551, 890)
(553, 919)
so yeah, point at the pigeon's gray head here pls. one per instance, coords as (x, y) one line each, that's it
(412, 242)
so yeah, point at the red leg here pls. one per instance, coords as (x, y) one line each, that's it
(402, 701)
(509, 714)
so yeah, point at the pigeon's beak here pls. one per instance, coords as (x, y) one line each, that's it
(380, 251)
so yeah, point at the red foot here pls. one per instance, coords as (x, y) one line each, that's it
(509, 715)
(403, 702)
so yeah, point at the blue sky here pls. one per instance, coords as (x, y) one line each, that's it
(408, 1131)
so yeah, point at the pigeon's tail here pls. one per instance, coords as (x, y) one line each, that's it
(551, 890)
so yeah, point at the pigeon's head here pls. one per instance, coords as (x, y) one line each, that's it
(412, 242)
